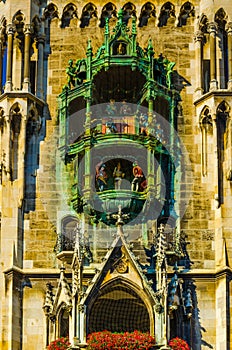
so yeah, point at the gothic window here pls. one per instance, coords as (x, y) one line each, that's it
(36, 25)
(19, 20)
(167, 11)
(108, 11)
(203, 27)
(129, 10)
(186, 11)
(70, 12)
(222, 115)
(89, 12)
(15, 126)
(18, 51)
(68, 227)
(220, 19)
(148, 10)
(63, 318)
(206, 125)
(31, 158)
(51, 11)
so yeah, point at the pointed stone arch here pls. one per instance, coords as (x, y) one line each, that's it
(206, 126)
(203, 23)
(18, 21)
(222, 115)
(129, 11)
(221, 18)
(66, 238)
(202, 39)
(109, 11)
(69, 13)
(18, 18)
(187, 10)
(147, 11)
(120, 305)
(167, 11)
(51, 11)
(63, 315)
(89, 12)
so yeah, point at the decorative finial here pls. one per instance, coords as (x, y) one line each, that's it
(134, 30)
(119, 223)
(107, 26)
(150, 47)
(89, 46)
(120, 216)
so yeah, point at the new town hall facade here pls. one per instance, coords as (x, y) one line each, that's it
(115, 171)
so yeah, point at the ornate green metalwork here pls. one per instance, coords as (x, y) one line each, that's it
(120, 50)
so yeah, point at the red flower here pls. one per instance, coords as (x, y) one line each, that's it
(59, 344)
(178, 344)
(120, 341)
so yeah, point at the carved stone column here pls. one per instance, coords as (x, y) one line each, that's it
(198, 60)
(212, 28)
(10, 40)
(40, 71)
(229, 38)
(27, 43)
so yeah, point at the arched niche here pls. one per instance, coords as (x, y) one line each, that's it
(15, 127)
(206, 125)
(63, 321)
(129, 11)
(68, 232)
(89, 13)
(108, 11)
(221, 19)
(186, 11)
(147, 11)
(119, 307)
(33, 128)
(51, 11)
(166, 13)
(70, 12)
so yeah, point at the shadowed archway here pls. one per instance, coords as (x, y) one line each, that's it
(118, 309)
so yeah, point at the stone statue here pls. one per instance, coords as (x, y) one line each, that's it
(71, 72)
(111, 108)
(139, 182)
(125, 108)
(118, 175)
(101, 176)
